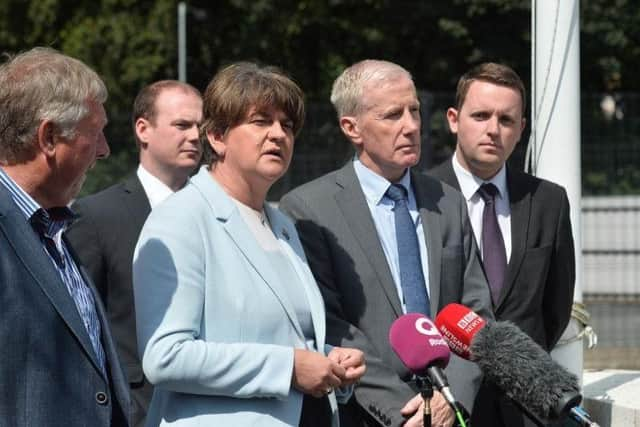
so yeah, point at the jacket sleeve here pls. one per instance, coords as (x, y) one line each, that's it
(560, 283)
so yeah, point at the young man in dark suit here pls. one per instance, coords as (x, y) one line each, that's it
(58, 363)
(166, 115)
(355, 234)
(529, 257)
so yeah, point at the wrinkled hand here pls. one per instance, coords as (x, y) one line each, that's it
(352, 360)
(315, 374)
(441, 414)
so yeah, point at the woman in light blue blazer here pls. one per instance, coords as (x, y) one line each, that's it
(231, 324)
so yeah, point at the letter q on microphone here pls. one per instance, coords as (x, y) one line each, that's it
(418, 344)
(421, 348)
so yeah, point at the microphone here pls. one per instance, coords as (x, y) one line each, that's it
(421, 348)
(508, 357)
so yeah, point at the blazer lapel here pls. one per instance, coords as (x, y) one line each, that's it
(446, 174)
(353, 205)
(520, 203)
(227, 213)
(430, 216)
(29, 250)
(286, 233)
(136, 200)
(105, 339)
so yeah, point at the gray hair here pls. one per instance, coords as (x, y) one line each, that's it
(43, 84)
(348, 88)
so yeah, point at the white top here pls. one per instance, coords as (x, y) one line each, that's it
(258, 223)
(156, 190)
(374, 188)
(469, 185)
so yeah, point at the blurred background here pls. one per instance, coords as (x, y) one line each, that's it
(132, 43)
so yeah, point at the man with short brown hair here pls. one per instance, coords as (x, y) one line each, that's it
(521, 222)
(166, 115)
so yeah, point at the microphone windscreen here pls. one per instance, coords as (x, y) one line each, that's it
(418, 344)
(522, 369)
(458, 325)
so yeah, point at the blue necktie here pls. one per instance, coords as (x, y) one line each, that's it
(412, 281)
(494, 256)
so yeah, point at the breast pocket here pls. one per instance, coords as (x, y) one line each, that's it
(536, 262)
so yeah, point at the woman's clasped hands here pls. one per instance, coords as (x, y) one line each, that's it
(318, 375)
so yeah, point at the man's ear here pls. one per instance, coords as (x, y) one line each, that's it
(46, 135)
(349, 126)
(452, 118)
(141, 127)
(216, 142)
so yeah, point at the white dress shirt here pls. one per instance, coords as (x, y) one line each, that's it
(156, 190)
(374, 187)
(469, 185)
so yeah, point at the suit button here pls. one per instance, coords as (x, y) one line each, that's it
(102, 398)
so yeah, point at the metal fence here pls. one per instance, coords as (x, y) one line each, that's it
(611, 278)
(610, 142)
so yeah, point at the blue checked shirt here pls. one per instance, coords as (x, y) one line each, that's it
(65, 265)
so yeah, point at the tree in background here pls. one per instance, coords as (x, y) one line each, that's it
(128, 42)
(132, 43)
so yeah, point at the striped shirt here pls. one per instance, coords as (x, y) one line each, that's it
(65, 265)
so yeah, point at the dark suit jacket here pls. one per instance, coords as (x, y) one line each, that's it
(538, 291)
(104, 236)
(347, 259)
(49, 375)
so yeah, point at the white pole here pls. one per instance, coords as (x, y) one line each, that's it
(182, 41)
(556, 130)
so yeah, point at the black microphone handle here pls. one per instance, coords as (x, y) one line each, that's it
(578, 415)
(567, 408)
(566, 402)
(426, 390)
(439, 380)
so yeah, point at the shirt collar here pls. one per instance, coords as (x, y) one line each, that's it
(156, 190)
(375, 186)
(470, 183)
(27, 205)
(53, 219)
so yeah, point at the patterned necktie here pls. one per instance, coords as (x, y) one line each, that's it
(412, 281)
(40, 222)
(494, 257)
(46, 224)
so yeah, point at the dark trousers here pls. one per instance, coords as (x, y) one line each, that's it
(315, 412)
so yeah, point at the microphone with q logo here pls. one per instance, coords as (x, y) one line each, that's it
(422, 349)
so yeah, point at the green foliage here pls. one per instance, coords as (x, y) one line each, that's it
(133, 42)
(610, 44)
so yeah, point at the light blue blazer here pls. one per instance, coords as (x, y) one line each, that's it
(216, 328)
